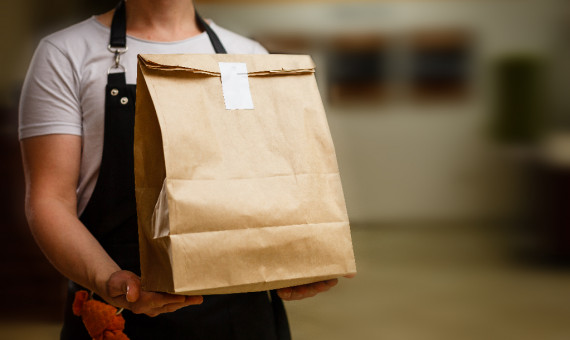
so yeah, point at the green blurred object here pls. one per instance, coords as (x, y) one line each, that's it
(519, 105)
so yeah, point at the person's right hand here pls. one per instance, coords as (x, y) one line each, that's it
(123, 289)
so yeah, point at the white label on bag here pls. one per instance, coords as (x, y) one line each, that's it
(235, 86)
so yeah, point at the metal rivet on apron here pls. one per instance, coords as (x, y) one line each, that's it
(114, 92)
(124, 100)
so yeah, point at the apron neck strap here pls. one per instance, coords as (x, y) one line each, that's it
(118, 38)
(216, 43)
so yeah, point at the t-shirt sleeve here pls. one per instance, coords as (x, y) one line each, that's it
(49, 102)
(259, 49)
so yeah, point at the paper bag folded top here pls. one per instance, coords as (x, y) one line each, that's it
(236, 200)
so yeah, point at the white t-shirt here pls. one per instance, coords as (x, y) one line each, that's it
(64, 90)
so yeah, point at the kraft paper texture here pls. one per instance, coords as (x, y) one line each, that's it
(236, 201)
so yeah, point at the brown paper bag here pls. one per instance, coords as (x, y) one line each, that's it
(236, 200)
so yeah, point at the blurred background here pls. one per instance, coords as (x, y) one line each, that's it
(451, 122)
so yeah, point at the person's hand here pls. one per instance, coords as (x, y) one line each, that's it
(308, 290)
(123, 289)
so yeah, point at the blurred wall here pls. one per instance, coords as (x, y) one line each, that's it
(15, 24)
(398, 160)
(403, 161)
(23, 23)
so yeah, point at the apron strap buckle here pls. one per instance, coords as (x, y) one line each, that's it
(117, 51)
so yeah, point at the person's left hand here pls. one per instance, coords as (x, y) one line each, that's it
(305, 291)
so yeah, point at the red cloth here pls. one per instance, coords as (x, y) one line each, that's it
(100, 319)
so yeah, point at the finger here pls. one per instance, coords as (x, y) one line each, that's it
(157, 300)
(331, 283)
(172, 307)
(299, 292)
(123, 288)
(133, 289)
(310, 290)
(151, 303)
(321, 287)
(116, 284)
(350, 276)
(324, 286)
(194, 300)
(152, 312)
(166, 298)
(285, 293)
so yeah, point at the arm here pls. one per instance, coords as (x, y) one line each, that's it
(51, 166)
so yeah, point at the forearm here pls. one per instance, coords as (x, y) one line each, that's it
(67, 243)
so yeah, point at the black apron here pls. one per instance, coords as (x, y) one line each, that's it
(111, 217)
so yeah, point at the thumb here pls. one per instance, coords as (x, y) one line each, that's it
(124, 283)
(132, 288)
